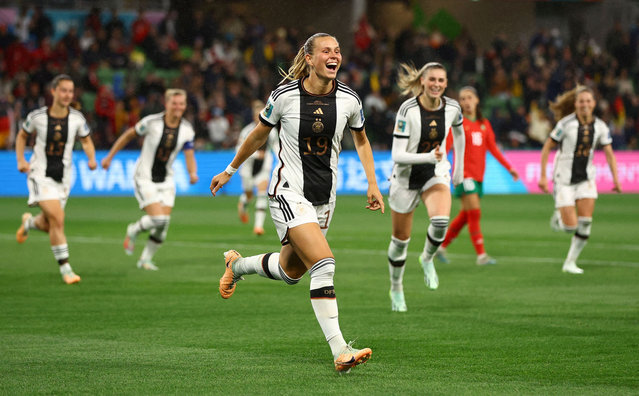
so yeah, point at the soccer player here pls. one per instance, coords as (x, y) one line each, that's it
(49, 169)
(421, 170)
(313, 110)
(479, 137)
(165, 134)
(255, 172)
(576, 134)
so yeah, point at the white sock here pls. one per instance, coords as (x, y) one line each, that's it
(65, 269)
(145, 223)
(243, 200)
(30, 224)
(61, 253)
(266, 265)
(397, 252)
(260, 210)
(434, 236)
(150, 249)
(324, 303)
(579, 240)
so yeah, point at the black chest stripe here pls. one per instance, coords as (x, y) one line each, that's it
(167, 144)
(433, 131)
(57, 135)
(583, 145)
(318, 119)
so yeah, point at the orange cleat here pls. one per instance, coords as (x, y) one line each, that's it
(229, 280)
(242, 213)
(350, 357)
(258, 231)
(22, 234)
(70, 278)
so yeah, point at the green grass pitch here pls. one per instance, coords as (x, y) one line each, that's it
(521, 326)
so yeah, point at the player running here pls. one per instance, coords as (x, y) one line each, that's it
(421, 171)
(576, 134)
(165, 135)
(255, 173)
(479, 138)
(313, 109)
(49, 169)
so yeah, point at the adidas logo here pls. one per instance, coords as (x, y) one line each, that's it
(433, 123)
(318, 111)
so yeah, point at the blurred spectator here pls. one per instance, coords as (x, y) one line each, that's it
(218, 127)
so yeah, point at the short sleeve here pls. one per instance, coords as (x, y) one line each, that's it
(604, 138)
(28, 125)
(272, 111)
(356, 119)
(83, 129)
(142, 127)
(557, 134)
(459, 119)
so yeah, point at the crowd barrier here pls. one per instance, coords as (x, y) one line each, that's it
(118, 180)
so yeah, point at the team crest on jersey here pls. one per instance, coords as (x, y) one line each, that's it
(318, 126)
(268, 109)
(483, 127)
(57, 135)
(401, 126)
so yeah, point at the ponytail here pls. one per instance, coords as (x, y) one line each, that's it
(565, 103)
(409, 78)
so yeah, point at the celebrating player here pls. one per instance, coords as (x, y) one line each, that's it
(165, 134)
(480, 137)
(49, 170)
(255, 172)
(421, 170)
(577, 133)
(313, 110)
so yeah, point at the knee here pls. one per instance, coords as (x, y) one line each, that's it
(160, 222)
(55, 220)
(438, 227)
(323, 270)
(584, 224)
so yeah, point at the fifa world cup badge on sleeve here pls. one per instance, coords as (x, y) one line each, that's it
(401, 126)
(268, 109)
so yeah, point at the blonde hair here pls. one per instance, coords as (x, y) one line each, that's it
(169, 93)
(408, 77)
(300, 68)
(565, 103)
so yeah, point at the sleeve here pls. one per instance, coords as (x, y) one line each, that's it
(399, 153)
(28, 125)
(459, 141)
(83, 129)
(605, 138)
(356, 119)
(557, 134)
(491, 145)
(273, 111)
(189, 144)
(142, 127)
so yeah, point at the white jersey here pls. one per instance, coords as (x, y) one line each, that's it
(54, 142)
(424, 130)
(270, 146)
(573, 162)
(311, 131)
(161, 146)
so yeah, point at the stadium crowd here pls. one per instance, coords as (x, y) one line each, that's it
(225, 62)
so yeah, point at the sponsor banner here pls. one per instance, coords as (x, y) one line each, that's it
(118, 180)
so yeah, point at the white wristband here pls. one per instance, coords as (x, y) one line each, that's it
(230, 170)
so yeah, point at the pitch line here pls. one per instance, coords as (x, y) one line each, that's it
(368, 252)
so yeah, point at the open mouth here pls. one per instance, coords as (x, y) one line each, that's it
(331, 66)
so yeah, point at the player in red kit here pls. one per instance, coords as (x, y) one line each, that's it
(479, 138)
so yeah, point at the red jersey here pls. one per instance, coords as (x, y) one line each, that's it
(479, 138)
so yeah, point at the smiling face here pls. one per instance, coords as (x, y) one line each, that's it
(434, 82)
(584, 104)
(175, 106)
(468, 101)
(326, 57)
(63, 93)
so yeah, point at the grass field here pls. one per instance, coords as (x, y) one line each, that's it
(521, 326)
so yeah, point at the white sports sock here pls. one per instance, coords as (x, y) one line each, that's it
(266, 265)
(145, 223)
(65, 269)
(579, 240)
(61, 253)
(150, 249)
(397, 252)
(260, 210)
(434, 236)
(30, 224)
(325, 304)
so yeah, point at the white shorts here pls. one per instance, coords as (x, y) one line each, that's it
(404, 200)
(46, 189)
(567, 194)
(290, 210)
(250, 180)
(147, 192)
